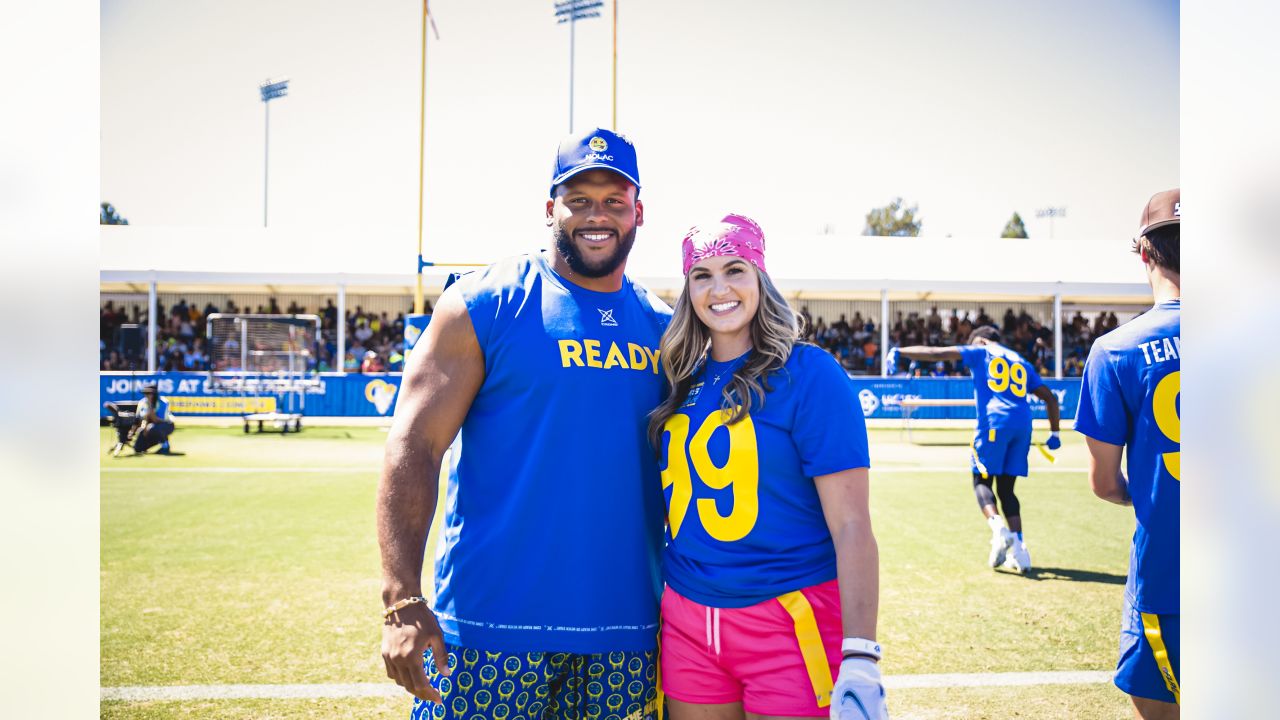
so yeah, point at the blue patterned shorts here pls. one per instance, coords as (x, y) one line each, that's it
(489, 685)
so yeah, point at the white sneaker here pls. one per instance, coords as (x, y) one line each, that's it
(1001, 541)
(1019, 560)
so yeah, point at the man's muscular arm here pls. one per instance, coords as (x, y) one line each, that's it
(443, 375)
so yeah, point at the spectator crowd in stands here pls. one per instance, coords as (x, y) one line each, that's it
(375, 341)
(179, 338)
(1078, 337)
(855, 343)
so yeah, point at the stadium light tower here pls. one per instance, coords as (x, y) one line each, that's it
(270, 91)
(571, 11)
(1051, 213)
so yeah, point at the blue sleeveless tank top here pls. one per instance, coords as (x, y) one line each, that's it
(553, 522)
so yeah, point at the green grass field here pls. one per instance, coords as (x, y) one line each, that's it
(271, 575)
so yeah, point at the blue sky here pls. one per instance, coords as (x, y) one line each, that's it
(803, 115)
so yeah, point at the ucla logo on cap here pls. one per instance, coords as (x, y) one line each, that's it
(598, 144)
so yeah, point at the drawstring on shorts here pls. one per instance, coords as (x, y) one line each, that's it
(713, 630)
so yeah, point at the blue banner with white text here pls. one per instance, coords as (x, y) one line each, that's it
(882, 397)
(193, 393)
(374, 395)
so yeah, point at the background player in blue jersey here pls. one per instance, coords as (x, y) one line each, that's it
(1002, 381)
(771, 565)
(1130, 398)
(536, 374)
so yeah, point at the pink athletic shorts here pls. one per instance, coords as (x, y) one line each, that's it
(778, 657)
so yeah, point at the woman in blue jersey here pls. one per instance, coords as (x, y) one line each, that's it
(771, 566)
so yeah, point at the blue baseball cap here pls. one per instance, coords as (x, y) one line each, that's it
(595, 148)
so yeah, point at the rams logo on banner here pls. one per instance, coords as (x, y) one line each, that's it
(870, 403)
(380, 393)
(411, 334)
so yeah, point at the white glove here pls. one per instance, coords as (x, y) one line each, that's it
(858, 693)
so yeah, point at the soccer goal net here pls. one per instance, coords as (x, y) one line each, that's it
(265, 356)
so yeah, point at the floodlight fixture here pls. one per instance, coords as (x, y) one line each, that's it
(270, 90)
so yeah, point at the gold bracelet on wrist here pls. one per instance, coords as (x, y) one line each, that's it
(402, 604)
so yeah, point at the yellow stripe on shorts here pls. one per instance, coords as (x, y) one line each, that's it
(657, 671)
(1151, 628)
(811, 648)
(973, 450)
(991, 435)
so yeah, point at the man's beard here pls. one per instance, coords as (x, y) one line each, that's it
(579, 265)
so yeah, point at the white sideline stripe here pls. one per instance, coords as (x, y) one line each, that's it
(140, 693)
(370, 469)
(251, 692)
(959, 468)
(1008, 679)
(964, 469)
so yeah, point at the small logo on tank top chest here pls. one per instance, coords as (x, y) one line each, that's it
(606, 317)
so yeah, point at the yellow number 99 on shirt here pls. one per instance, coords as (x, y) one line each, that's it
(1002, 375)
(741, 473)
(1164, 407)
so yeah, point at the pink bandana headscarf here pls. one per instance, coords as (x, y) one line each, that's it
(735, 235)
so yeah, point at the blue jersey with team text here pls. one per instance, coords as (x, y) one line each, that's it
(744, 520)
(1130, 396)
(1001, 382)
(552, 534)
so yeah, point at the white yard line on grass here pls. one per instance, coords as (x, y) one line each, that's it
(875, 470)
(1008, 679)
(963, 468)
(141, 693)
(369, 469)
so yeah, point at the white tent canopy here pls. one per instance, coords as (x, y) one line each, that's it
(834, 267)
(818, 266)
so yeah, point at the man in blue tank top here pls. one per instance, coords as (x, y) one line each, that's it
(536, 374)
(1003, 383)
(1129, 397)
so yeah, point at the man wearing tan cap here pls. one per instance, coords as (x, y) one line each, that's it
(1130, 398)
